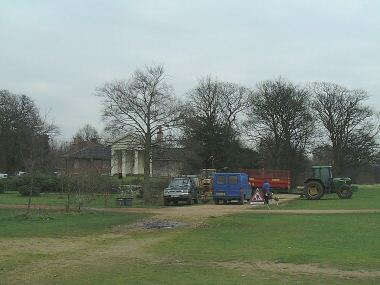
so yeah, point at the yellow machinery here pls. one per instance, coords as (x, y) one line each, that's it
(205, 184)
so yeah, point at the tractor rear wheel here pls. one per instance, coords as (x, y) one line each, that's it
(313, 190)
(344, 191)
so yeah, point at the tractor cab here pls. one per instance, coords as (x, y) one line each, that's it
(324, 174)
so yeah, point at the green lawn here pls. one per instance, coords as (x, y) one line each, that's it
(349, 241)
(367, 197)
(173, 273)
(42, 223)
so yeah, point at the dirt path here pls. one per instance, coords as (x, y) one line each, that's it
(206, 211)
(199, 212)
(300, 269)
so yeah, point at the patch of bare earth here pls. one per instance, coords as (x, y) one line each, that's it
(291, 268)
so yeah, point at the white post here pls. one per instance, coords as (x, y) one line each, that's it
(136, 164)
(123, 162)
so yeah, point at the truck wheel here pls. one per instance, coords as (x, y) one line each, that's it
(175, 202)
(344, 191)
(313, 190)
(166, 202)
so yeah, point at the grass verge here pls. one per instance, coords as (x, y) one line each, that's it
(367, 197)
(42, 223)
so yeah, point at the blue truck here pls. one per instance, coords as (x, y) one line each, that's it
(231, 187)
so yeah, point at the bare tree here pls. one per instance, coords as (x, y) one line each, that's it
(143, 106)
(282, 123)
(86, 134)
(350, 125)
(233, 101)
(205, 100)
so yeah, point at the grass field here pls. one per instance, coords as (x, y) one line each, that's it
(367, 197)
(43, 223)
(345, 241)
(53, 247)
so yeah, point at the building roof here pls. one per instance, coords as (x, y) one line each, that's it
(96, 151)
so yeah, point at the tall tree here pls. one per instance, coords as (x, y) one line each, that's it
(282, 123)
(211, 126)
(350, 126)
(143, 106)
(24, 133)
(233, 101)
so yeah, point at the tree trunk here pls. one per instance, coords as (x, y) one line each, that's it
(30, 196)
(147, 160)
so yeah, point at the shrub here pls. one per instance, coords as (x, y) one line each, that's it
(25, 190)
(3, 186)
(15, 182)
(46, 183)
(88, 184)
(42, 182)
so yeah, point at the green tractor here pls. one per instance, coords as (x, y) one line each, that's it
(323, 182)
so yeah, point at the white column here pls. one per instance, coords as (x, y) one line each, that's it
(114, 163)
(123, 162)
(136, 164)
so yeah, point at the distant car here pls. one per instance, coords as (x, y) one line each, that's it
(19, 173)
(181, 189)
(3, 175)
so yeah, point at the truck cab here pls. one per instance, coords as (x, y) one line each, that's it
(181, 189)
(231, 187)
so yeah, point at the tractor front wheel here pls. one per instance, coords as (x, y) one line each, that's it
(344, 192)
(313, 190)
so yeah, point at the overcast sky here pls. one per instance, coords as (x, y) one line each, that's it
(58, 52)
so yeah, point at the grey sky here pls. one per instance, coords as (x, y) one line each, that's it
(58, 52)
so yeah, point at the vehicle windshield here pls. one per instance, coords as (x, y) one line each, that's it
(178, 182)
